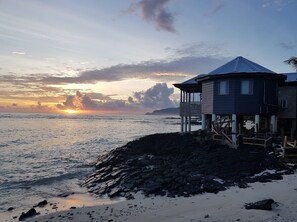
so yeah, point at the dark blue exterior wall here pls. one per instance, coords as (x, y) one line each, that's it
(224, 104)
(257, 103)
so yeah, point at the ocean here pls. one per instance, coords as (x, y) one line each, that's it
(46, 155)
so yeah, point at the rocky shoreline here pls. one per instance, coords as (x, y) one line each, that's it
(176, 164)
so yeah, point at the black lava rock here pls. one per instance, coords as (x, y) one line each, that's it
(176, 164)
(41, 203)
(260, 205)
(29, 213)
(10, 208)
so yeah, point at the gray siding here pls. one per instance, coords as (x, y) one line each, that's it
(288, 93)
(207, 97)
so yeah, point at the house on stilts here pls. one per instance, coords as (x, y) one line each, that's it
(235, 93)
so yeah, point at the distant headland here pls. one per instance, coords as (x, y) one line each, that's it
(167, 111)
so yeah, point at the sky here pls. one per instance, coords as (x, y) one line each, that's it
(123, 56)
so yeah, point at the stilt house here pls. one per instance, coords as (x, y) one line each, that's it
(238, 89)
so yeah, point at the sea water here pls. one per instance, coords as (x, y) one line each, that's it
(45, 155)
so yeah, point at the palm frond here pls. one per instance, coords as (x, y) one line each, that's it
(292, 61)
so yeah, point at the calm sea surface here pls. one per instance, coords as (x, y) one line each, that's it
(44, 155)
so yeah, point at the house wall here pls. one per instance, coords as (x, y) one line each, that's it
(248, 104)
(224, 104)
(288, 93)
(270, 102)
(235, 103)
(207, 97)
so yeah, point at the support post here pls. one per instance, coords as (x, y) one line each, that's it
(213, 118)
(257, 122)
(275, 127)
(272, 123)
(181, 111)
(234, 129)
(181, 96)
(189, 118)
(182, 124)
(203, 121)
(190, 123)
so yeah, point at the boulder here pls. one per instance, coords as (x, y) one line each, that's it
(10, 209)
(41, 203)
(29, 213)
(260, 205)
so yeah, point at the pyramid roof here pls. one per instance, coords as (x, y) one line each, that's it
(240, 65)
(235, 66)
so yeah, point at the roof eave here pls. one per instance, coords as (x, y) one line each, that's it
(242, 75)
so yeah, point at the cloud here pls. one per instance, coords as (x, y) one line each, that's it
(82, 101)
(183, 62)
(18, 53)
(163, 70)
(41, 107)
(183, 66)
(100, 96)
(197, 50)
(156, 97)
(78, 102)
(219, 6)
(276, 3)
(14, 107)
(288, 45)
(155, 11)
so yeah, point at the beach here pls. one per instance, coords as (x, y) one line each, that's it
(71, 202)
(148, 111)
(224, 206)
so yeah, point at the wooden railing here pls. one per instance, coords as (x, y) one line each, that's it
(289, 148)
(220, 128)
(258, 141)
(288, 144)
(190, 109)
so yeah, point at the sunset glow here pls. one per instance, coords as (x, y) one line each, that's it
(71, 111)
(124, 56)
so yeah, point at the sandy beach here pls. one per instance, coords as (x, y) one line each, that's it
(225, 206)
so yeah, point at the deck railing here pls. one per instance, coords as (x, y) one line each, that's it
(190, 109)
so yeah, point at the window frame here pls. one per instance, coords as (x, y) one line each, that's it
(250, 87)
(283, 104)
(226, 90)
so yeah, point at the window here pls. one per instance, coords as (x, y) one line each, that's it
(246, 87)
(223, 87)
(283, 104)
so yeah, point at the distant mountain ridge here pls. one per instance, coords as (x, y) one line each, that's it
(167, 111)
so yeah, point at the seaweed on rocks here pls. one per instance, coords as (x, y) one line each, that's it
(176, 164)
